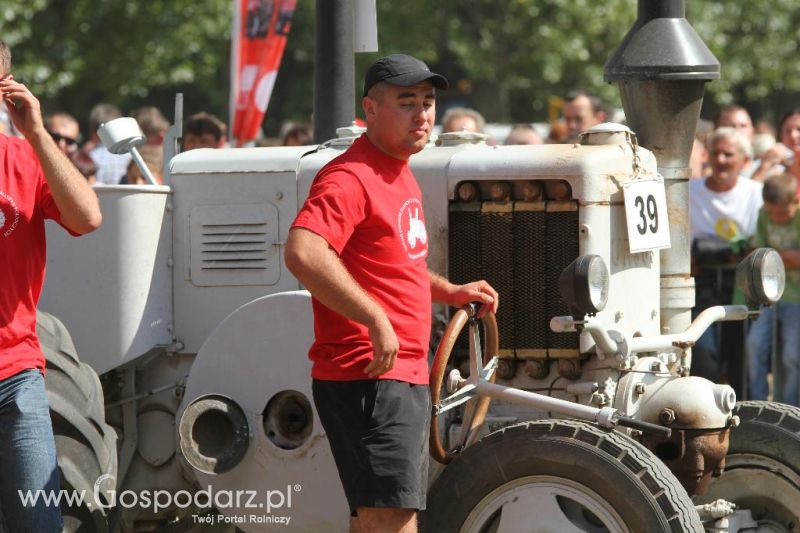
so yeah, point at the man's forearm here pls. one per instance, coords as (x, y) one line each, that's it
(77, 202)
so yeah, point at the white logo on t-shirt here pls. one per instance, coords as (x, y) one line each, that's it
(411, 226)
(9, 214)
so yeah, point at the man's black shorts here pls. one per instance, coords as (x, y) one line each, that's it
(378, 432)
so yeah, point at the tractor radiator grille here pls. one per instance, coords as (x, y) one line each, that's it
(465, 246)
(561, 248)
(496, 226)
(531, 322)
(521, 249)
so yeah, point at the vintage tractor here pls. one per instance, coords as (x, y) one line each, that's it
(572, 410)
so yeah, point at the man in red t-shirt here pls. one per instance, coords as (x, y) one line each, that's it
(359, 245)
(37, 181)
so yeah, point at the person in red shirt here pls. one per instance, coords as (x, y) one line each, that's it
(37, 181)
(359, 245)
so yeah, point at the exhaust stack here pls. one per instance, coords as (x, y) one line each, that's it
(661, 69)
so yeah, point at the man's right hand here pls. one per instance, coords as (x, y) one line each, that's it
(384, 348)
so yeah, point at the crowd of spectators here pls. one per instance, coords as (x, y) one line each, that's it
(756, 206)
(98, 165)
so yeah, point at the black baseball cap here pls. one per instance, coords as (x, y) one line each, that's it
(402, 70)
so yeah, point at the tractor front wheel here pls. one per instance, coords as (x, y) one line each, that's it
(558, 475)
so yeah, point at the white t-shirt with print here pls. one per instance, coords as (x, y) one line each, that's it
(727, 214)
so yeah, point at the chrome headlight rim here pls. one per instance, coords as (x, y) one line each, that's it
(761, 276)
(584, 284)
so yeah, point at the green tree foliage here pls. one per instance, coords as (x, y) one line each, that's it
(514, 55)
(757, 45)
(75, 53)
(506, 58)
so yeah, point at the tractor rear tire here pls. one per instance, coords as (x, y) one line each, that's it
(86, 446)
(561, 475)
(762, 468)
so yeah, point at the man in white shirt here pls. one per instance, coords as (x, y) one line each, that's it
(723, 211)
(723, 205)
(736, 116)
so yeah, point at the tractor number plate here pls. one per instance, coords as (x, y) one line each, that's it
(646, 215)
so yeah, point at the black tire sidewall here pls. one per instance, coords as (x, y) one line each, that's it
(769, 429)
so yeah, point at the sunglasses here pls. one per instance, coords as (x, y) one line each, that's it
(58, 138)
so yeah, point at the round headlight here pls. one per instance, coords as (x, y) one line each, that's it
(584, 284)
(761, 277)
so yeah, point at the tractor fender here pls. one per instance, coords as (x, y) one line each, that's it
(247, 420)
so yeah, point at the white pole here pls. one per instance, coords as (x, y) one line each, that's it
(234, 83)
(365, 26)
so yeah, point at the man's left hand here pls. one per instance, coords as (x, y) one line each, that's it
(477, 291)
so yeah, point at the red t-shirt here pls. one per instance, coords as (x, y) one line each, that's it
(25, 201)
(368, 206)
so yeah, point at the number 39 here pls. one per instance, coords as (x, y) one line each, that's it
(647, 212)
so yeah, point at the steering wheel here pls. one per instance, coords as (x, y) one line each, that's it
(476, 406)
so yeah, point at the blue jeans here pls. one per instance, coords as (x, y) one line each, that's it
(27, 455)
(759, 349)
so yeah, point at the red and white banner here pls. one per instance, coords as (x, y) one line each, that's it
(260, 30)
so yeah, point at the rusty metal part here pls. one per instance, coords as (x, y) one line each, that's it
(558, 190)
(506, 368)
(532, 191)
(468, 192)
(500, 191)
(537, 368)
(569, 368)
(693, 455)
(667, 416)
(683, 345)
